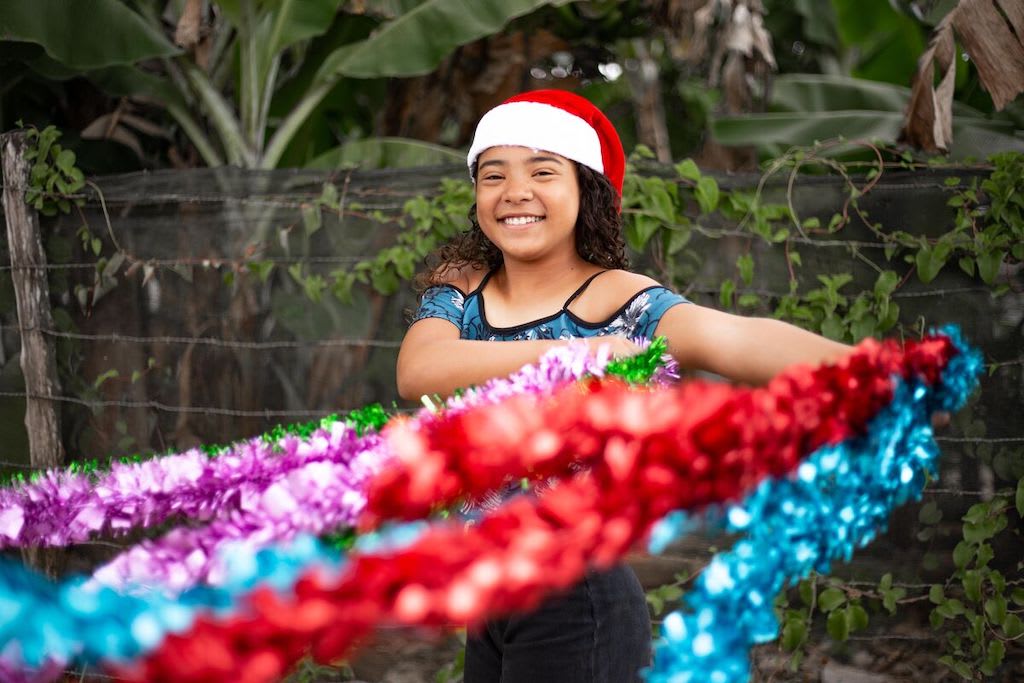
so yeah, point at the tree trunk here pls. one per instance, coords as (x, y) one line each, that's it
(38, 357)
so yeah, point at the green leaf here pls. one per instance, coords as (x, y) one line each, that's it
(856, 618)
(415, 43)
(929, 261)
(960, 668)
(688, 170)
(950, 608)
(84, 35)
(745, 265)
(963, 553)
(929, 513)
(311, 218)
(1019, 498)
(830, 599)
(805, 128)
(993, 657)
(806, 591)
(725, 294)
(707, 194)
(995, 609)
(640, 230)
(305, 19)
(65, 161)
(976, 533)
(794, 633)
(262, 269)
(103, 377)
(966, 264)
(886, 283)
(936, 594)
(1013, 627)
(984, 556)
(972, 585)
(677, 238)
(988, 265)
(748, 300)
(837, 625)
(661, 204)
(832, 327)
(387, 152)
(385, 281)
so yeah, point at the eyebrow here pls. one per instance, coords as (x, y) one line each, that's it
(531, 160)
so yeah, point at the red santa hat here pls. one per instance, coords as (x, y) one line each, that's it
(555, 121)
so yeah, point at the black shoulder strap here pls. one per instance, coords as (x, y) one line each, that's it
(582, 288)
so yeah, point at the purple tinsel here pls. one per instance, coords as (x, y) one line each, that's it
(255, 492)
(63, 508)
(315, 498)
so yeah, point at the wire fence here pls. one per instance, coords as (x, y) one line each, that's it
(204, 330)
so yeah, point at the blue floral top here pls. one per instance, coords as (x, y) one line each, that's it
(637, 317)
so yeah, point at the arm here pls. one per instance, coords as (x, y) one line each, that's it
(748, 350)
(434, 360)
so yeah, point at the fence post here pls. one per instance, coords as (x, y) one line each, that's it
(32, 294)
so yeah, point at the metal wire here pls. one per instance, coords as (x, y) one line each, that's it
(214, 341)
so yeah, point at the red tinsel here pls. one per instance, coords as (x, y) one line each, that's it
(464, 456)
(647, 453)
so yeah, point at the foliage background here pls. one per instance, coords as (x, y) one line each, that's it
(198, 303)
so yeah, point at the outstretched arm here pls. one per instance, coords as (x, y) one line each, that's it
(748, 350)
(434, 360)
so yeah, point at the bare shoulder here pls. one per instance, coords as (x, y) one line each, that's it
(608, 292)
(465, 278)
(624, 281)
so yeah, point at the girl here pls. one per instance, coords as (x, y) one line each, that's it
(546, 254)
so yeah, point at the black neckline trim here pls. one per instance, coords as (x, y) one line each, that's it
(575, 318)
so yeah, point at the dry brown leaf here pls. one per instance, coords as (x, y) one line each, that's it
(989, 31)
(186, 34)
(928, 124)
(993, 44)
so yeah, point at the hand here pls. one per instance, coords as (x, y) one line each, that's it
(618, 347)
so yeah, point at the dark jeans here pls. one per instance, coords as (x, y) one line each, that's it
(598, 632)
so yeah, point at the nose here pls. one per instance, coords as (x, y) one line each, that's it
(518, 190)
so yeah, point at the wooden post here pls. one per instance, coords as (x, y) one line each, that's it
(32, 293)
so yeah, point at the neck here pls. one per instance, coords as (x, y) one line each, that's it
(543, 276)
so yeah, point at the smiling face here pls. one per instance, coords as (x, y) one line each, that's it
(527, 202)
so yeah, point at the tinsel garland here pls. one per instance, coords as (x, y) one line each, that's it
(840, 500)
(253, 490)
(100, 621)
(322, 490)
(62, 508)
(649, 452)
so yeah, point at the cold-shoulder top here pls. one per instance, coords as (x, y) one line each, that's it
(637, 317)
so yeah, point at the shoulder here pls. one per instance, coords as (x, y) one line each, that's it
(609, 293)
(622, 281)
(465, 278)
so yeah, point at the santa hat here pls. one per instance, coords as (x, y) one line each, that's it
(554, 121)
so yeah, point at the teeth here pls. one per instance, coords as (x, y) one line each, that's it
(521, 220)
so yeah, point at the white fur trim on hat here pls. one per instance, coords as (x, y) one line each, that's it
(538, 126)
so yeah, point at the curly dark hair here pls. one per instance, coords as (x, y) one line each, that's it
(599, 238)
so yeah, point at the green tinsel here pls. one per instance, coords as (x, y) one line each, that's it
(369, 418)
(635, 370)
(640, 368)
